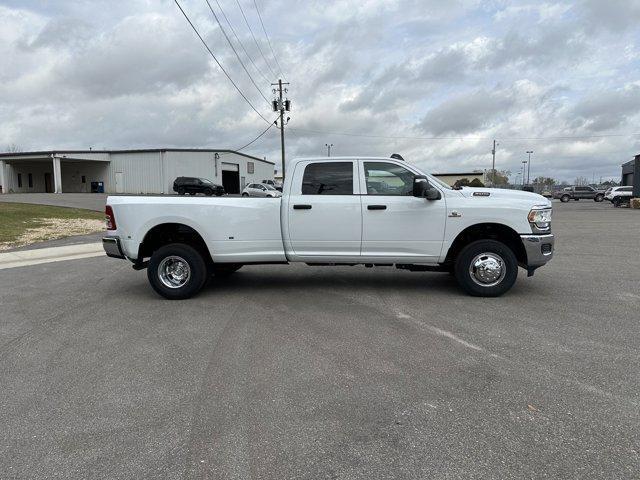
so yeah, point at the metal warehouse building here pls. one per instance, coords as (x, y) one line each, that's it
(127, 171)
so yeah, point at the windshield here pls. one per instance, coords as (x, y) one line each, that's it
(440, 182)
(433, 179)
(206, 180)
(269, 187)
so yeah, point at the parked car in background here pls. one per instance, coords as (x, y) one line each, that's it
(547, 194)
(260, 190)
(619, 195)
(579, 192)
(193, 185)
(273, 183)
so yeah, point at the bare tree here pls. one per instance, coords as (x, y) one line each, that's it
(581, 181)
(12, 148)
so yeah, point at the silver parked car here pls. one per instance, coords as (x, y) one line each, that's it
(260, 190)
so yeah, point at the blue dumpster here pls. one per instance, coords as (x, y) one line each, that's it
(97, 187)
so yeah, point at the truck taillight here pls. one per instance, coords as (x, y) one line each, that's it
(110, 218)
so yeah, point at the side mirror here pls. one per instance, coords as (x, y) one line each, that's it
(422, 189)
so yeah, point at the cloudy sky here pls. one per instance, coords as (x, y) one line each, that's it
(435, 80)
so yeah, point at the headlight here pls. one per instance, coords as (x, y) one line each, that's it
(540, 218)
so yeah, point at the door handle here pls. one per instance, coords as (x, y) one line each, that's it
(302, 207)
(376, 207)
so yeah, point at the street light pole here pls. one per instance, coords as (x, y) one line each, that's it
(529, 152)
(328, 145)
(524, 171)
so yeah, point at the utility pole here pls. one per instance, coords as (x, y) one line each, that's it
(493, 165)
(328, 145)
(529, 152)
(281, 105)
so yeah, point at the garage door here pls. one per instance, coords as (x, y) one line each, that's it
(231, 177)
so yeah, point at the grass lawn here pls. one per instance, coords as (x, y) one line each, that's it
(23, 223)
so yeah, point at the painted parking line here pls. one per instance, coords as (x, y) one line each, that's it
(25, 258)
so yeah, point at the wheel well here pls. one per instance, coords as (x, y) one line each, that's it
(167, 233)
(488, 231)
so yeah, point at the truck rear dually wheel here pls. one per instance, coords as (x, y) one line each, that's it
(177, 271)
(486, 268)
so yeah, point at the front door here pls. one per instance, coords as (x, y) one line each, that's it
(324, 211)
(119, 182)
(48, 184)
(396, 226)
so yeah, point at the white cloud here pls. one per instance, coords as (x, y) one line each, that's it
(129, 74)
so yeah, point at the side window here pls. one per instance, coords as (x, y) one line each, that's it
(388, 179)
(250, 167)
(328, 178)
(19, 180)
(30, 180)
(627, 189)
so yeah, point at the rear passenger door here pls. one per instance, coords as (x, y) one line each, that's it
(324, 212)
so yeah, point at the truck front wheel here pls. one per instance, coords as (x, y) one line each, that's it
(564, 198)
(177, 271)
(486, 268)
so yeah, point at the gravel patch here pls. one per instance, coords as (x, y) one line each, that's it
(52, 228)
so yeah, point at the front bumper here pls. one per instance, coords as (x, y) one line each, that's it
(112, 247)
(539, 249)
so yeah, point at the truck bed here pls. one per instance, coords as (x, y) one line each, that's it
(235, 229)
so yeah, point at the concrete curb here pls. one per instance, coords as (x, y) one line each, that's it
(23, 258)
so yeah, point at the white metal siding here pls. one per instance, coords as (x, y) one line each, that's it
(141, 171)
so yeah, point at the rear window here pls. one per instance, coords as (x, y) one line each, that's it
(626, 189)
(328, 178)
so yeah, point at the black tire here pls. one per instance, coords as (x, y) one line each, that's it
(181, 191)
(576, 199)
(474, 252)
(192, 193)
(616, 201)
(208, 192)
(225, 269)
(198, 272)
(564, 198)
(245, 194)
(598, 198)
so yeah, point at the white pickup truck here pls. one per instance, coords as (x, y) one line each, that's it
(336, 211)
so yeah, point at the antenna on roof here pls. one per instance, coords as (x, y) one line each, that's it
(397, 156)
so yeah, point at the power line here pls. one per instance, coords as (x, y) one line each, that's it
(567, 137)
(236, 52)
(254, 38)
(218, 62)
(257, 138)
(242, 44)
(267, 37)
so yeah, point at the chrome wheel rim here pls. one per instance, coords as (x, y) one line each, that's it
(487, 269)
(174, 272)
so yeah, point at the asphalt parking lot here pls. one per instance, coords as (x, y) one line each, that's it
(315, 372)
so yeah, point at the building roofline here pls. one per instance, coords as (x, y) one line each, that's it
(140, 150)
(457, 174)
